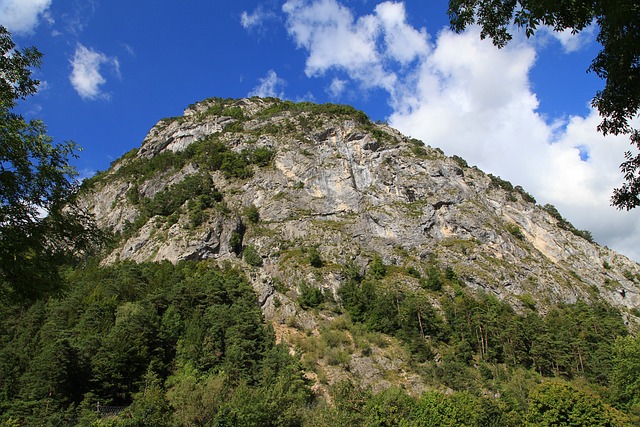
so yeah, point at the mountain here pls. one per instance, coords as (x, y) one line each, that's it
(279, 178)
(299, 194)
(293, 264)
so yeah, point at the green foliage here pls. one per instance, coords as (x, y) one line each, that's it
(235, 241)
(377, 269)
(262, 156)
(141, 169)
(252, 213)
(310, 296)
(571, 341)
(498, 182)
(313, 255)
(35, 177)
(251, 256)
(515, 230)
(437, 409)
(412, 271)
(566, 225)
(178, 344)
(417, 148)
(555, 403)
(512, 191)
(198, 189)
(332, 110)
(625, 374)
(434, 280)
(234, 112)
(186, 344)
(460, 161)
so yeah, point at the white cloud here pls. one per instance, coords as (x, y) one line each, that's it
(571, 42)
(337, 88)
(254, 19)
(22, 16)
(476, 101)
(403, 42)
(270, 86)
(463, 95)
(86, 76)
(335, 40)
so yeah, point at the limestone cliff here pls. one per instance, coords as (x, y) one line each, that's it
(281, 178)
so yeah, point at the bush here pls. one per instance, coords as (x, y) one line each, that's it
(412, 271)
(252, 257)
(310, 296)
(515, 231)
(314, 257)
(434, 279)
(252, 213)
(262, 156)
(235, 242)
(377, 268)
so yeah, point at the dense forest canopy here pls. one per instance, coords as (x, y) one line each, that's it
(186, 344)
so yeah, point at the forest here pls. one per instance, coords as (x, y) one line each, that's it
(186, 344)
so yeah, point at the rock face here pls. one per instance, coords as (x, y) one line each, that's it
(284, 178)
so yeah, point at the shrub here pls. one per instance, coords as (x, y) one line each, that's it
(251, 256)
(262, 156)
(460, 161)
(377, 268)
(310, 296)
(434, 279)
(252, 214)
(515, 230)
(314, 257)
(235, 242)
(412, 271)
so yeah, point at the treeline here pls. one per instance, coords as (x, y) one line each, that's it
(474, 343)
(186, 344)
(570, 340)
(178, 344)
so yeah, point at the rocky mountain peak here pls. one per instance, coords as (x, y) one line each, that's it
(267, 185)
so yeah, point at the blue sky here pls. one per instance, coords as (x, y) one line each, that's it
(112, 69)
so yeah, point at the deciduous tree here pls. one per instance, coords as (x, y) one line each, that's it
(40, 225)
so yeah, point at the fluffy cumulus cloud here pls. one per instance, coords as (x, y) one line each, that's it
(336, 40)
(22, 16)
(463, 95)
(87, 76)
(270, 85)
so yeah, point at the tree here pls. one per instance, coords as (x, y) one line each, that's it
(556, 403)
(625, 377)
(40, 224)
(618, 63)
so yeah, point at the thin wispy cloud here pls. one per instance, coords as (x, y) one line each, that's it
(77, 20)
(23, 16)
(258, 19)
(87, 75)
(569, 41)
(336, 88)
(269, 86)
